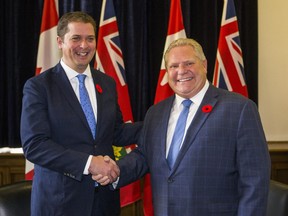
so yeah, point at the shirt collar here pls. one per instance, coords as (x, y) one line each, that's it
(71, 74)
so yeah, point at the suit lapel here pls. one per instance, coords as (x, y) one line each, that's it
(200, 117)
(66, 89)
(165, 112)
(98, 81)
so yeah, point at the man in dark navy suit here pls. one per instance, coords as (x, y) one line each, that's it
(57, 138)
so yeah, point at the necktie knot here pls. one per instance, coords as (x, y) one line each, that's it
(81, 78)
(186, 103)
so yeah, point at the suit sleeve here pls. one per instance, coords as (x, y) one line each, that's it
(133, 166)
(125, 133)
(36, 135)
(253, 161)
(128, 133)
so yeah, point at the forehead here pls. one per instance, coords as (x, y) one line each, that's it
(80, 28)
(181, 53)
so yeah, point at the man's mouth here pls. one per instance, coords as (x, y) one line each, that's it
(82, 53)
(184, 79)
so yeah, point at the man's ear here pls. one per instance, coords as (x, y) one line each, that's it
(59, 42)
(205, 65)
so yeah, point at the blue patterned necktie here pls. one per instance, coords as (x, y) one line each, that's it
(86, 104)
(178, 133)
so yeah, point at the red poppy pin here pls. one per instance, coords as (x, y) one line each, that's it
(99, 89)
(207, 108)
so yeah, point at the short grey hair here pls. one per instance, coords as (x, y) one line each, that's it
(184, 42)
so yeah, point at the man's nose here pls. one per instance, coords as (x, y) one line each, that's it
(83, 43)
(182, 68)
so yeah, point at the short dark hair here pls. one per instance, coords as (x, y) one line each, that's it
(76, 16)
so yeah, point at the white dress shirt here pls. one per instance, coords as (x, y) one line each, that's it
(89, 84)
(176, 110)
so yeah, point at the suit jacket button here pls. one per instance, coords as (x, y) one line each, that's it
(170, 180)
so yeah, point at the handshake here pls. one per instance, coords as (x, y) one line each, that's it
(104, 170)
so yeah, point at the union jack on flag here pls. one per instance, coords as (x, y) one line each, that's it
(109, 59)
(229, 66)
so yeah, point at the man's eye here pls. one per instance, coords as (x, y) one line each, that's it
(173, 66)
(91, 39)
(75, 38)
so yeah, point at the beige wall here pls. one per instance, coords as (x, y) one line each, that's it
(273, 68)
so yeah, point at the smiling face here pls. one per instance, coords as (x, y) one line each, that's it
(186, 72)
(78, 45)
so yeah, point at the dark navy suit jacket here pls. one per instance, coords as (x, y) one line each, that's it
(57, 139)
(223, 167)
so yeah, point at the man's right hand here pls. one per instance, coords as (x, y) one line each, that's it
(104, 169)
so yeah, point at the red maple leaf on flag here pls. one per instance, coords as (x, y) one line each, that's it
(175, 30)
(48, 53)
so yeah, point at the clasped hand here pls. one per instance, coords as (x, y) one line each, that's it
(104, 170)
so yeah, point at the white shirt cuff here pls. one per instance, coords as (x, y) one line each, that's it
(114, 184)
(86, 171)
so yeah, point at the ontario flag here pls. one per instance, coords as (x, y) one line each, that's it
(229, 66)
(48, 52)
(109, 59)
(175, 31)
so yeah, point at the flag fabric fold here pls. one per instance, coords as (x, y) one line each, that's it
(229, 66)
(175, 31)
(48, 53)
(109, 59)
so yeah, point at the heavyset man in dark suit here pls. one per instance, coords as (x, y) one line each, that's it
(56, 136)
(223, 167)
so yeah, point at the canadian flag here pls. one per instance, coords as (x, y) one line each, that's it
(175, 30)
(48, 52)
